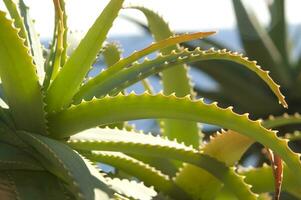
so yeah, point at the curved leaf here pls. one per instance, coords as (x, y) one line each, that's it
(129, 142)
(95, 82)
(131, 107)
(266, 181)
(133, 189)
(149, 175)
(227, 147)
(113, 83)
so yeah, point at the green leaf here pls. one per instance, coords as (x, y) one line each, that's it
(19, 80)
(31, 185)
(34, 40)
(180, 86)
(124, 108)
(266, 181)
(149, 175)
(73, 72)
(114, 83)
(133, 189)
(65, 163)
(89, 89)
(18, 21)
(227, 147)
(12, 158)
(61, 36)
(129, 142)
(285, 119)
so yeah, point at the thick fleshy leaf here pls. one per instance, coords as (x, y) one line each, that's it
(266, 181)
(31, 185)
(133, 143)
(34, 40)
(13, 158)
(19, 80)
(181, 85)
(90, 89)
(149, 175)
(79, 63)
(116, 82)
(68, 165)
(227, 147)
(124, 108)
(18, 21)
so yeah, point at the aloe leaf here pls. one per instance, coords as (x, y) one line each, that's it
(118, 81)
(19, 80)
(126, 62)
(131, 107)
(58, 57)
(112, 54)
(227, 147)
(12, 158)
(133, 189)
(181, 85)
(128, 142)
(51, 55)
(62, 161)
(65, 34)
(34, 40)
(283, 120)
(149, 175)
(31, 185)
(79, 63)
(18, 21)
(259, 46)
(266, 181)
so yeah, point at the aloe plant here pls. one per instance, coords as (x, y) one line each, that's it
(57, 124)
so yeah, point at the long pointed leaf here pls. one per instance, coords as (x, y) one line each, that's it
(124, 108)
(181, 85)
(129, 142)
(126, 62)
(67, 165)
(149, 175)
(67, 82)
(34, 40)
(114, 83)
(19, 80)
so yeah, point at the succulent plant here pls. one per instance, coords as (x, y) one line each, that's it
(53, 115)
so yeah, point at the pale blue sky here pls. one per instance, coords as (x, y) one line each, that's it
(183, 15)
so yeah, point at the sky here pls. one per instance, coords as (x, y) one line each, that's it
(193, 15)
